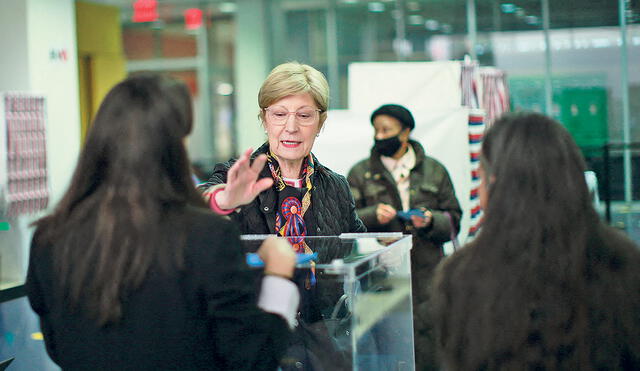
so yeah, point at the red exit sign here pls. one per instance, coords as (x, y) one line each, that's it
(145, 11)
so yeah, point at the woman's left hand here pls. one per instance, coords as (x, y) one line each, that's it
(243, 184)
(422, 222)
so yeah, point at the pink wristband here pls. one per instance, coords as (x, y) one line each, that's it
(214, 205)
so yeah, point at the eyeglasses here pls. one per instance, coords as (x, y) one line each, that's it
(278, 115)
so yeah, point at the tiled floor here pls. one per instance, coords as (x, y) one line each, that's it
(21, 338)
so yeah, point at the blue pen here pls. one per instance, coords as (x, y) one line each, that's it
(253, 259)
(406, 215)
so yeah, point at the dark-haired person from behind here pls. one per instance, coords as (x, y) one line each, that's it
(545, 285)
(400, 176)
(132, 272)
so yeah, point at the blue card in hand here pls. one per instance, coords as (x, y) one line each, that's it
(253, 259)
(406, 215)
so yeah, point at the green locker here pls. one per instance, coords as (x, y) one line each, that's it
(583, 111)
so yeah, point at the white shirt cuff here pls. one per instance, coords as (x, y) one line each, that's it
(279, 296)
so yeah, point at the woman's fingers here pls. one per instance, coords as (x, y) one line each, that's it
(387, 210)
(233, 172)
(243, 184)
(385, 213)
(258, 163)
(240, 167)
(262, 185)
(417, 221)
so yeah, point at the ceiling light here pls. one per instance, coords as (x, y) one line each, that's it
(416, 20)
(224, 88)
(531, 19)
(432, 25)
(227, 7)
(376, 7)
(508, 8)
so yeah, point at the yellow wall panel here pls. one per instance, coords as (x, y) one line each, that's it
(98, 28)
(107, 71)
(101, 60)
(84, 80)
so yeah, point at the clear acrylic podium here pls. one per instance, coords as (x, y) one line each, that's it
(355, 311)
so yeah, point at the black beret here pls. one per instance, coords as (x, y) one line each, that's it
(398, 112)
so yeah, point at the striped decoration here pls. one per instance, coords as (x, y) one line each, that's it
(495, 93)
(469, 84)
(485, 88)
(476, 133)
(486, 93)
(475, 175)
(24, 179)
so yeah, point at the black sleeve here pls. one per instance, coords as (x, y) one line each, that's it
(245, 337)
(36, 293)
(219, 175)
(355, 223)
(32, 285)
(441, 226)
(367, 213)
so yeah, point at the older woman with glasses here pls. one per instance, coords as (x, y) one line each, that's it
(281, 188)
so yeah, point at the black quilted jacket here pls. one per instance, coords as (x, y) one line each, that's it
(332, 204)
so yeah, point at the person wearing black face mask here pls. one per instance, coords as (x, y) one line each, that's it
(399, 176)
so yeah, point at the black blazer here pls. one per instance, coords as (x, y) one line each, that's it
(201, 317)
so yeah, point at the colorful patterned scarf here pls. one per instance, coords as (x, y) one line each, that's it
(292, 210)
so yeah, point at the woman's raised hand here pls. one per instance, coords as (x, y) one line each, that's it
(243, 184)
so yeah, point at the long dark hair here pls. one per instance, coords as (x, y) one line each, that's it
(523, 289)
(132, 175)
(541, 196)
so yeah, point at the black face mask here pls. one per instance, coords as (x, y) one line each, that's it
(387, 147)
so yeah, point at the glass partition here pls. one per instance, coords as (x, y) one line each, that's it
(356, 310)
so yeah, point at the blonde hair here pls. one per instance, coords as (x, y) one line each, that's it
(294, 78)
